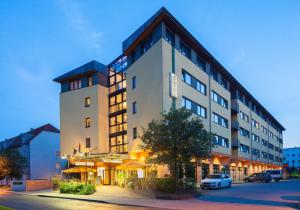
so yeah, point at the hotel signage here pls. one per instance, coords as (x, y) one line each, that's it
(173, 85)
(84, 163)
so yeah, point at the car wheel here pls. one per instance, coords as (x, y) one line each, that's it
(276, 180)
(229, 186)
(219, 186)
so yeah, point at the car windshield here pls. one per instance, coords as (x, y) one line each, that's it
(214, 176)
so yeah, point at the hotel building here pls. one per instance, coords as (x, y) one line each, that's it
(104, 107)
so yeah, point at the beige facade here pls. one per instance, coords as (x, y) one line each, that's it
(142, 85)
(73, 113)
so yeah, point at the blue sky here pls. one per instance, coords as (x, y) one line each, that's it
(257, 41)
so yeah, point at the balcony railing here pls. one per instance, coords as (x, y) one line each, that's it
(235, 143)
(235, 125)
(235, 106)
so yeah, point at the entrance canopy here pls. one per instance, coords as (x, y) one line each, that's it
(131, 165)
(79, 169)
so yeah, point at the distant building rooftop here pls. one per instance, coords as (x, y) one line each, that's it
(25, 138)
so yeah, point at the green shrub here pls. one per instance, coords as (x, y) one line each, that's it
(77, 188)
(165, 185)
(70, 187)
(87, 190)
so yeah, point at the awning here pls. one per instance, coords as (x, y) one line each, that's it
(79, 169)
(131, 165)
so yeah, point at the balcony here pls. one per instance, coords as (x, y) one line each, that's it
(235, 125)
(235, 143)
(235, 106)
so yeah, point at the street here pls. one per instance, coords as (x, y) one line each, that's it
(283, 195)
(275, 194)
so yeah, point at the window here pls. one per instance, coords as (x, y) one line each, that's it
(271, 134)
(90, 81)
(264, 129)
(187, 78)
(221, 141)
(88, 142)
(201, 111)
(256, 152)
(134, 107)
(87, 102)
(244, 132)
(185, 49)
(194, 107)
(224, 83)
(193, 82)
(75, 84)
(271, 146)
(87, 122)
(255, 124)
(244, 148)
(134, 133)
(271, 157)
(186, 103)
(219, 99)
(244, 117)
(213, 74)
(201, 87)
(133, 82)
(264, 142)
(264, 155)
(255, 138)
(200, 63)
(146, 44)
(170, 36)
(219, 120)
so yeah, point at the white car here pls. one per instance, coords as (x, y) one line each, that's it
(216, 181)
(275, 174)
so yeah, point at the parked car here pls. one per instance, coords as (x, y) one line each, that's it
(275, 174)
(216, 181)
(258, 177)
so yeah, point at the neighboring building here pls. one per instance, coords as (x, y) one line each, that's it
(41, 149)
(162, 66)
(291, 157)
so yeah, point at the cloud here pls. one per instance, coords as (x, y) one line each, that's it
(74, 14)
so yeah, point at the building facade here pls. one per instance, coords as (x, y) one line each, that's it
(164, 66)
(41, 149)
(291, 157)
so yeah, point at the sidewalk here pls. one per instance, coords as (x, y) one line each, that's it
(122, 196)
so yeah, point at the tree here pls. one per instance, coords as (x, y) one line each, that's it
(13, 162)
(176, 140)
(4, 167)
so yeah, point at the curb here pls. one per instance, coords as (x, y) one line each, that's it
(95, 201)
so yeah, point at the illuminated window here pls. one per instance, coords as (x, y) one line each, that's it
(88, 142)
(87, 102)
(87, 122)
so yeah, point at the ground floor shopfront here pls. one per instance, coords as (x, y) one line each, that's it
(238, 169)
(113, 169)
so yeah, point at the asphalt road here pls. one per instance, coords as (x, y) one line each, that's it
(28, 202)
(277, 195)
(283, 195)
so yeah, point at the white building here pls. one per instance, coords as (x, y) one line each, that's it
(41, 148)
(292, 157)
